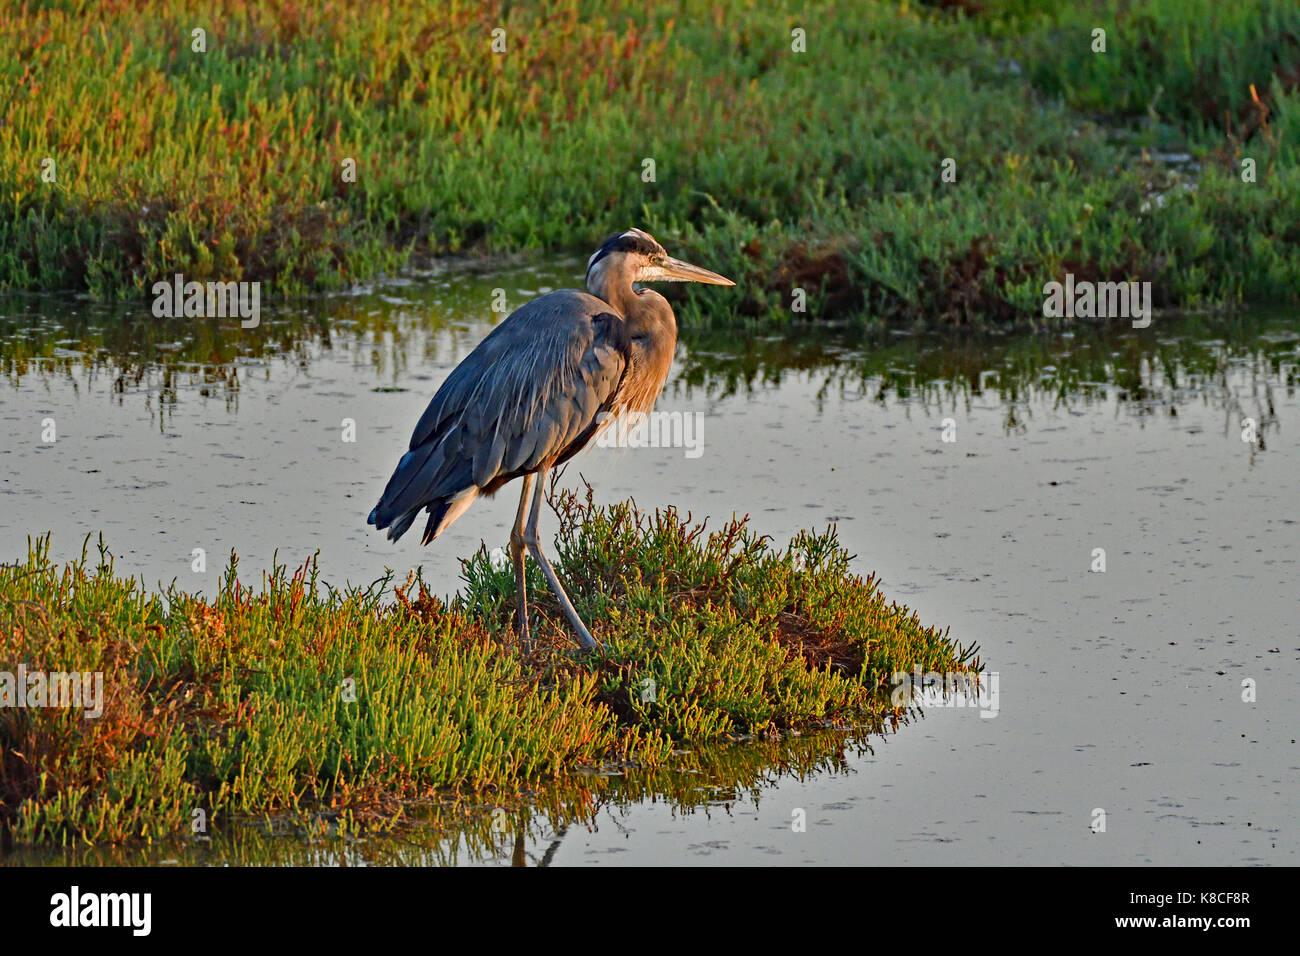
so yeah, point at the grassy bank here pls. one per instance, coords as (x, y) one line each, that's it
(291, 698)
(818, 169)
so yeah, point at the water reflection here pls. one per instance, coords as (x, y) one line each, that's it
(1233, 364)
(1193, 359)
(524, 830)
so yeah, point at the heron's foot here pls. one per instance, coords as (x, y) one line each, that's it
(529, 536)
(586, 643)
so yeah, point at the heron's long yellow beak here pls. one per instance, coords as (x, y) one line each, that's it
(674, 270)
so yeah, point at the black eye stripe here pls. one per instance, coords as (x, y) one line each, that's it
(620, 242)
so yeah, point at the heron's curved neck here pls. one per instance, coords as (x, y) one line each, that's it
(652, 343)
(612, 282)
(648, 315)
(651, 325)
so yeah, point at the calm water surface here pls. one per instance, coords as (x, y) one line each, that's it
(1118, 691)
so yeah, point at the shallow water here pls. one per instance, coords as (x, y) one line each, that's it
(1118, 690)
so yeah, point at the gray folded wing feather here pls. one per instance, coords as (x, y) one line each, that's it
(531, 389)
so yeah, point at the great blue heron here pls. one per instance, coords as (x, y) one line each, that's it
(535, 392)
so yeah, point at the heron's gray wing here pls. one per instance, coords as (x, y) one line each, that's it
(531, 389)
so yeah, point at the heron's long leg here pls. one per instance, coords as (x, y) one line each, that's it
(517, 555)
(534, 547)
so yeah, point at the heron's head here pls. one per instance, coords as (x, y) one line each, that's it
(635, 256)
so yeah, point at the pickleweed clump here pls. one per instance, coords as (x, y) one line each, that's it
(293, 700)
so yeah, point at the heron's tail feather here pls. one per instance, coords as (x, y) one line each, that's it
(418, 483)
(444, 512)
(401, 524)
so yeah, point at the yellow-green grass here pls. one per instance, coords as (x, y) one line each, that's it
(817, 169)
(294, 698)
